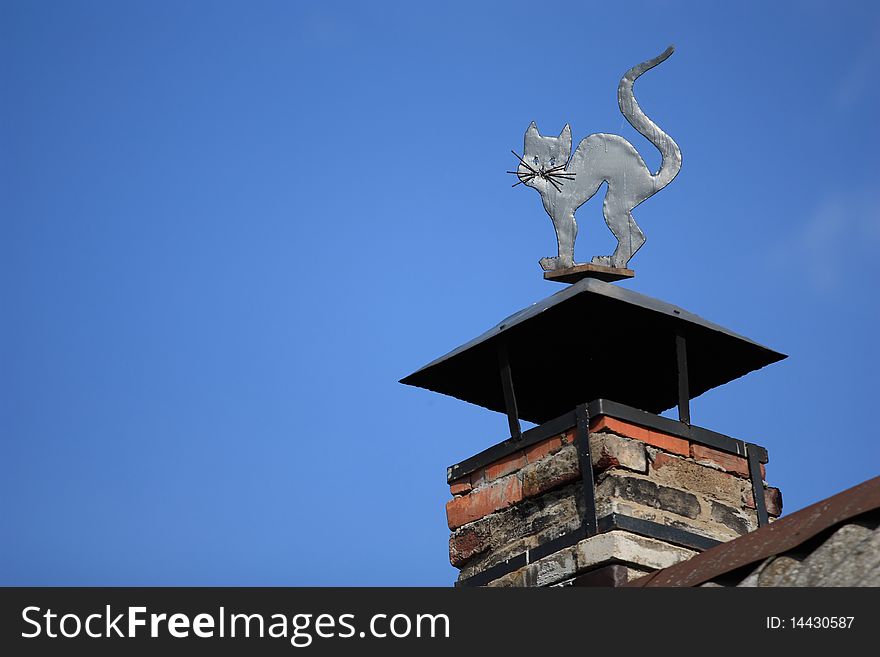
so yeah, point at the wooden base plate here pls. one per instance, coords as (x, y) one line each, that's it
(588, 270)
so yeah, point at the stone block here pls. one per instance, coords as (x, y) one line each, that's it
(558, 509)
(735, 519)
(644, 491)
(690, 476)
(625, 547)
(551, 569)
(609, 450)
(494, 557)
(510, 580)
(702, 525)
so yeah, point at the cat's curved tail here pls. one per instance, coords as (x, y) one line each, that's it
(671, 164)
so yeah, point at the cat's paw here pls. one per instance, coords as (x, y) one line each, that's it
(549, 264)
(605, 261)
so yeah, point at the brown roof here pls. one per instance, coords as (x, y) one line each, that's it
(822, 520)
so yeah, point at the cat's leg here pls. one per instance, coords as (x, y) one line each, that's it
(566, 233)
(630, 237)
(627, 244)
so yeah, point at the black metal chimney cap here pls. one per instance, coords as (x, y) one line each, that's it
(593, 340)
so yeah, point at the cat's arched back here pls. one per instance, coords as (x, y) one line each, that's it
(567, 180)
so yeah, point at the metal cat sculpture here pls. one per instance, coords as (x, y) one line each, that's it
(566, 181)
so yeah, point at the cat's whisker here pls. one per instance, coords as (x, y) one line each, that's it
(554, 175)
(524, 178)
(523, 162)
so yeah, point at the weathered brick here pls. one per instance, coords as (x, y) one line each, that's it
(720, 460)
(620, 546)
(702, 525)
(524, 526)
(493, 557)
(612, 575)
(644, 491)
(730, 517)
(461, 486)
(483, 501)
(611, 451)
(505, 466)
(551, 569)
(772, 499)
(696, 478)
(468, 541)
(510, 580)
(554, 511)
(659, 439)
(550, 472)
(544, 448)
(548, 571)
(569, 436)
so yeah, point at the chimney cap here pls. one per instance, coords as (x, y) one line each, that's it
(593, 340)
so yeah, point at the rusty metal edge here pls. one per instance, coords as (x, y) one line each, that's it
(778, 537)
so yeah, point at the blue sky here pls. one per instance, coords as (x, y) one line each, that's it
(228, 229)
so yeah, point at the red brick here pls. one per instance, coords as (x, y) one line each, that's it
(569, 436)
(723, 460)
(660, 460)
(461, 486)
(772, 499)
(659, 439)
(479, 503)
(505, 466)
(468, 542)
(543, 448)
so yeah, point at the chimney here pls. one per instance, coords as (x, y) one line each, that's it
(603, 489)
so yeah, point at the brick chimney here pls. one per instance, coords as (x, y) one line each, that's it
(603, 489)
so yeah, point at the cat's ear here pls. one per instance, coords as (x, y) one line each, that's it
(565, 138)
(533, 137)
